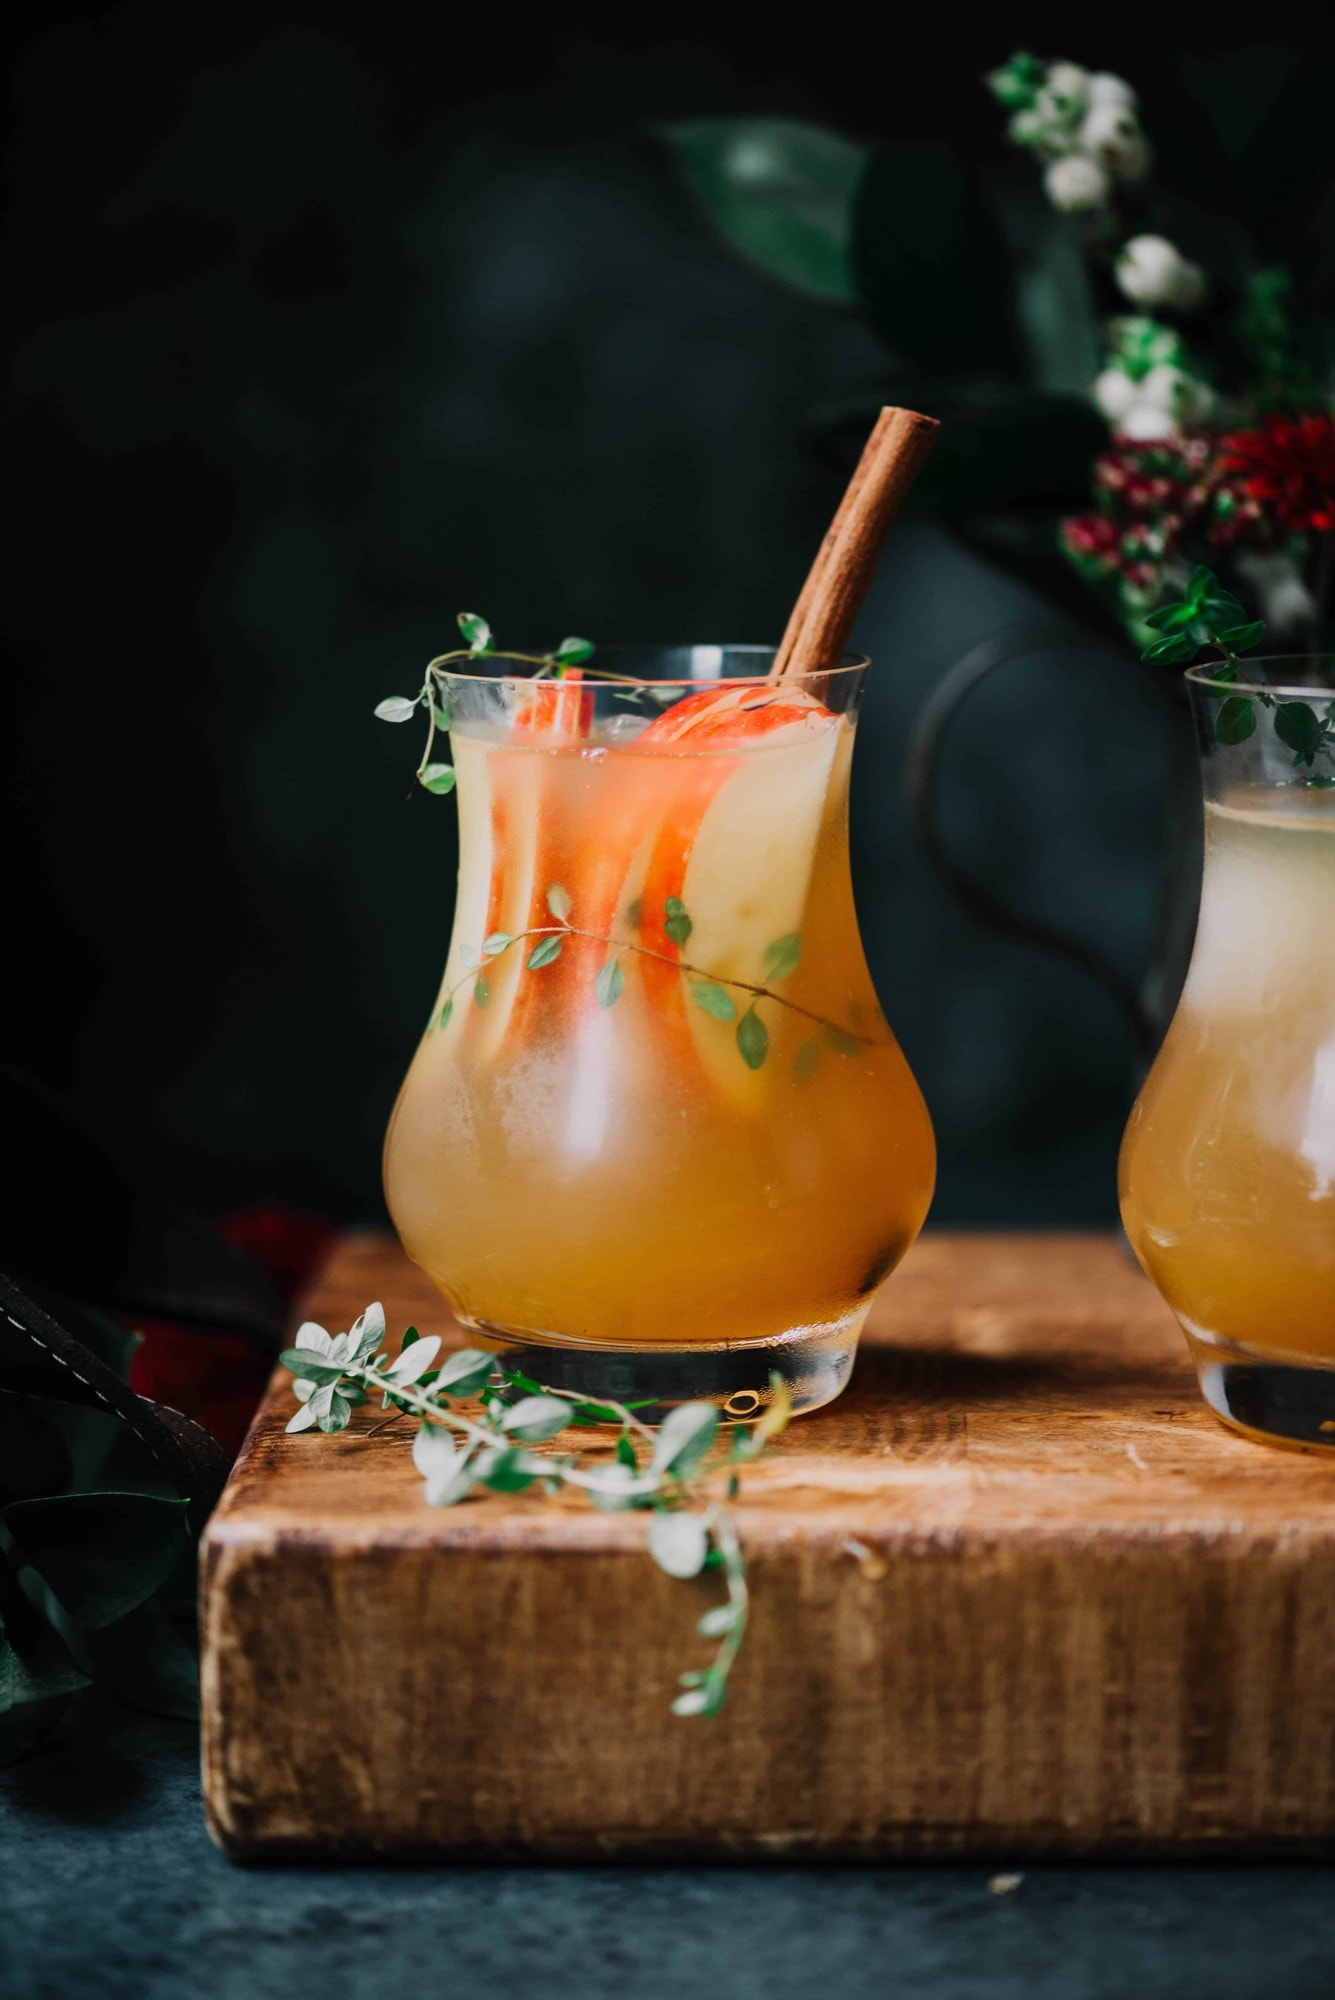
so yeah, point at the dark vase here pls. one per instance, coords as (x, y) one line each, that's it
(1147, 1005)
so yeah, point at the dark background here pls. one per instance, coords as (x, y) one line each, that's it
(327, 324)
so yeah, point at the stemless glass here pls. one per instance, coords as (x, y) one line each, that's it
(1228, 1165)
(657, 1141)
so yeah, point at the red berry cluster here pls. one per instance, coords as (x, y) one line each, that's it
(1286, 468)
(1195, 496)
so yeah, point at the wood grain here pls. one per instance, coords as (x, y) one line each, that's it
(1016, 1592)
(838, 580)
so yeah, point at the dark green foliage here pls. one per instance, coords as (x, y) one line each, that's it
(96, 1555)
(781, 192)
(930, 263)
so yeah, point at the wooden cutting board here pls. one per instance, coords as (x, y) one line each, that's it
(1016, 1592)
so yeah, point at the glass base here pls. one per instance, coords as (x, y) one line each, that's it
(1284, 1399)
(814, 1362)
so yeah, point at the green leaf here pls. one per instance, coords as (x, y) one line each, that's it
(782, 956)
(338, 1414)
(476, 631)
(1171, 617)
(446, 1012)
(716, 1623)
(309, 1366)
(366, 1332)
(1301, 728)
(1241, 638)
(481, 992)
(1221, 608)
(536, 1418)
(510, 1471)
(396, 708)
(843, 1044)
(781, 192)
(574, 652)
(715, 1000)
(437, 778)
(101, 1553)
(468, 956)
(1175, 646)
(410, 1338)
(543, 952)
(675, 920)
(413, 1359)
(444, 1467)
(493, 946)
(1017, 83)
(1236, 720)
(679, 1543)
(466, 1372)
(707, 1699)
(37, 1675)
(441, 715)
(1227, 673)
(517, 1379)
(1204, 583)
(752, 1039)
(626, 1454)
(610, 984)
(558, 902)
(684, 1437)
(806, 1059)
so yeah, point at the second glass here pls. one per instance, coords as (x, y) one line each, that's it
(1228, 1166)
(658, 1141)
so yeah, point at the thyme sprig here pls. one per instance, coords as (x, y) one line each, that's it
(666, 1471)
(1211, 616)
(432, 696)
(709, 990)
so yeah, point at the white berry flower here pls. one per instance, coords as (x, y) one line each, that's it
(1076, 184)
(1153, 272)
(1146, 423)
(1067, 80)
(1114, 392)
(1031, 128)
(1163, 388)
(1059, 118)
(1105, 88)
(1111, 135)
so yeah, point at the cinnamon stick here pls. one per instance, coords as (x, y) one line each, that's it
(838, 579)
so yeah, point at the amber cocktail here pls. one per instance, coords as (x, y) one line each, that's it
(658, 1139)
(1228, 1167)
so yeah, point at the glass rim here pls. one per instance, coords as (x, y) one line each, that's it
(847, 665)
(1208, 675)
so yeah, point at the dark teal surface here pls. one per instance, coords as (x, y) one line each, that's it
(110, 1887)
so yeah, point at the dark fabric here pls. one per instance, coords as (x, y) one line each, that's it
(39, 1357)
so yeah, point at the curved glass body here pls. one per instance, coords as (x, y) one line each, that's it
(657, 1111)
(1228, 1165)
